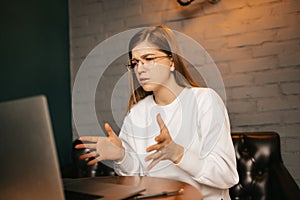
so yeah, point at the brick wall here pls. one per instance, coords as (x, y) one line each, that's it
(255, 44)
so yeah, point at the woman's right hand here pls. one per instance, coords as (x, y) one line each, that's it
(106, 148)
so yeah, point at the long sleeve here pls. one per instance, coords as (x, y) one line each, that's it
(129, 166)
(217, 169)
(215, 163)
(198, 121)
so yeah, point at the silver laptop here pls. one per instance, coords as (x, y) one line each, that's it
(29, 165)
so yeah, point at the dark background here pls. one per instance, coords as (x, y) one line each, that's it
(34, 56)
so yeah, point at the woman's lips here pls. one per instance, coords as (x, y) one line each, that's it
(144, 80)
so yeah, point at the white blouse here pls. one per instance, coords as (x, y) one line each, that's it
(197, 120)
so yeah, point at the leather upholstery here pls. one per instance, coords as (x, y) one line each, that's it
(261, 170)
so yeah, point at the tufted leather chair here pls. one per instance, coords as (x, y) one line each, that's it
(262, 173)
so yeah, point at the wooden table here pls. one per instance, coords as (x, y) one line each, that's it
(156, 185)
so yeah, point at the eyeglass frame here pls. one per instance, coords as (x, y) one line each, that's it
(131, 67)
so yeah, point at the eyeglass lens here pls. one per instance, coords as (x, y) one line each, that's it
(144, 60)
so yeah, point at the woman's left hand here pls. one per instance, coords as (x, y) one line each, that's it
(165, 148)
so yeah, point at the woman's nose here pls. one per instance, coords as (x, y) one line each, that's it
(140, 62)
(140, 66)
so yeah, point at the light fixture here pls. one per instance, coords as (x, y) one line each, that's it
(187, 2)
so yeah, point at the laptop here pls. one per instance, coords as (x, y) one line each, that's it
(29, 164)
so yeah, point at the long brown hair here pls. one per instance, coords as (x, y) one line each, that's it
(164, 39)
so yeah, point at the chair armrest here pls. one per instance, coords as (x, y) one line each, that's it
(285, 182)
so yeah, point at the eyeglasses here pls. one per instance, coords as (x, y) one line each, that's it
(147, 59)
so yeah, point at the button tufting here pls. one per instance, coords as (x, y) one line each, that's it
(261, 169)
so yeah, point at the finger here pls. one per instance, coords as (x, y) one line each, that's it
(153, 156)
(79, 146)
(160, 121)
(164, 132)
(161, 137)
(85, 146)
(152, 164)
(155, 147)
(88, 138)
(88, 155)
(109, 130)
(94, 161)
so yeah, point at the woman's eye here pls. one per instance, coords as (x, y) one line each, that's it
(149, 58)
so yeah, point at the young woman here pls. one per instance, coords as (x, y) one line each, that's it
(173, 128)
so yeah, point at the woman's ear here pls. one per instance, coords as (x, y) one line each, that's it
(172, 67)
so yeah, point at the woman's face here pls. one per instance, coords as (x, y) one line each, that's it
(152, 67)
